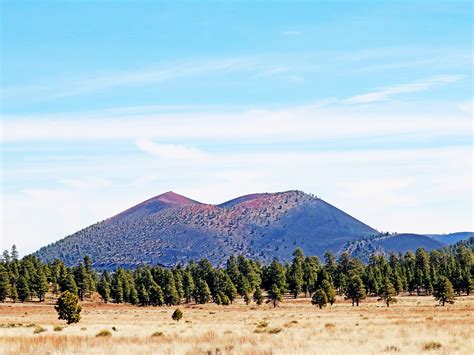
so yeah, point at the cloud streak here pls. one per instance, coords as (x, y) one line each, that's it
(292, 124)
(388, 92)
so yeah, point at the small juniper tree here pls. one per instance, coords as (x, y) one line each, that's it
(68, 307)
(177, 314)
(320, 298)
(329, 291)
(444, 292)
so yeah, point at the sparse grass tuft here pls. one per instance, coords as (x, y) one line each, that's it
(432, 345)
(104, 333)
(329, 326)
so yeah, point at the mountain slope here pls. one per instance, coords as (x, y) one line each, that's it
(452, 237)
(169, 229)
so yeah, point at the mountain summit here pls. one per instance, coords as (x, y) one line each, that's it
(169, 229)
(167, 200)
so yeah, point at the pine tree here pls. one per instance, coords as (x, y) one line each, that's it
(310, 274)
(295, 273)
(133, 297)
(229, 289)
(320, 298)
(422, 272)
(40, 284)
(6, 257)
(388, 292)
(13, 292)
(258, 296)
(188, 286)
(202, 294)
(275, 295)
(443, 291)
(91, 274)
(355, 290)
(4, 283)
(116, 289)
(14, 253)
(70, 284)
(156, 295)
(23, 289)
(104, 288)
(169, 289)
(143, 296)
(276, 276)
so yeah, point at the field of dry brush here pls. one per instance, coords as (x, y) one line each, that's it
(413, 325)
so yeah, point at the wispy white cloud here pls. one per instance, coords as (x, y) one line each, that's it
(170, 151)
(387, 93)
(143, 76)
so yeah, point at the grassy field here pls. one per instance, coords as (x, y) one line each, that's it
(413, 325)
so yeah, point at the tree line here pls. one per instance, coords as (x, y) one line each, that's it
(440, 273)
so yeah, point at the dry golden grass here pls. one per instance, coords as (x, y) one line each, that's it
(413, 325)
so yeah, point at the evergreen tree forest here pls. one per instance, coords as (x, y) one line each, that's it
(441, 274)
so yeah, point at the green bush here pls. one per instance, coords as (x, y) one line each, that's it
(58, 328)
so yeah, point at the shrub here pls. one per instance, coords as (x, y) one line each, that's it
(157, 334)
(114, 329)
(329, 325)
(58, 328)
(177, 314)
(39, 329)
(432, 345)
(391, 349)
(104, 333)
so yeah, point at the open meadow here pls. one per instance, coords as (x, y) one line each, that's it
(412, 325)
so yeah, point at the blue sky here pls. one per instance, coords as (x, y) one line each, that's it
(104, 104)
